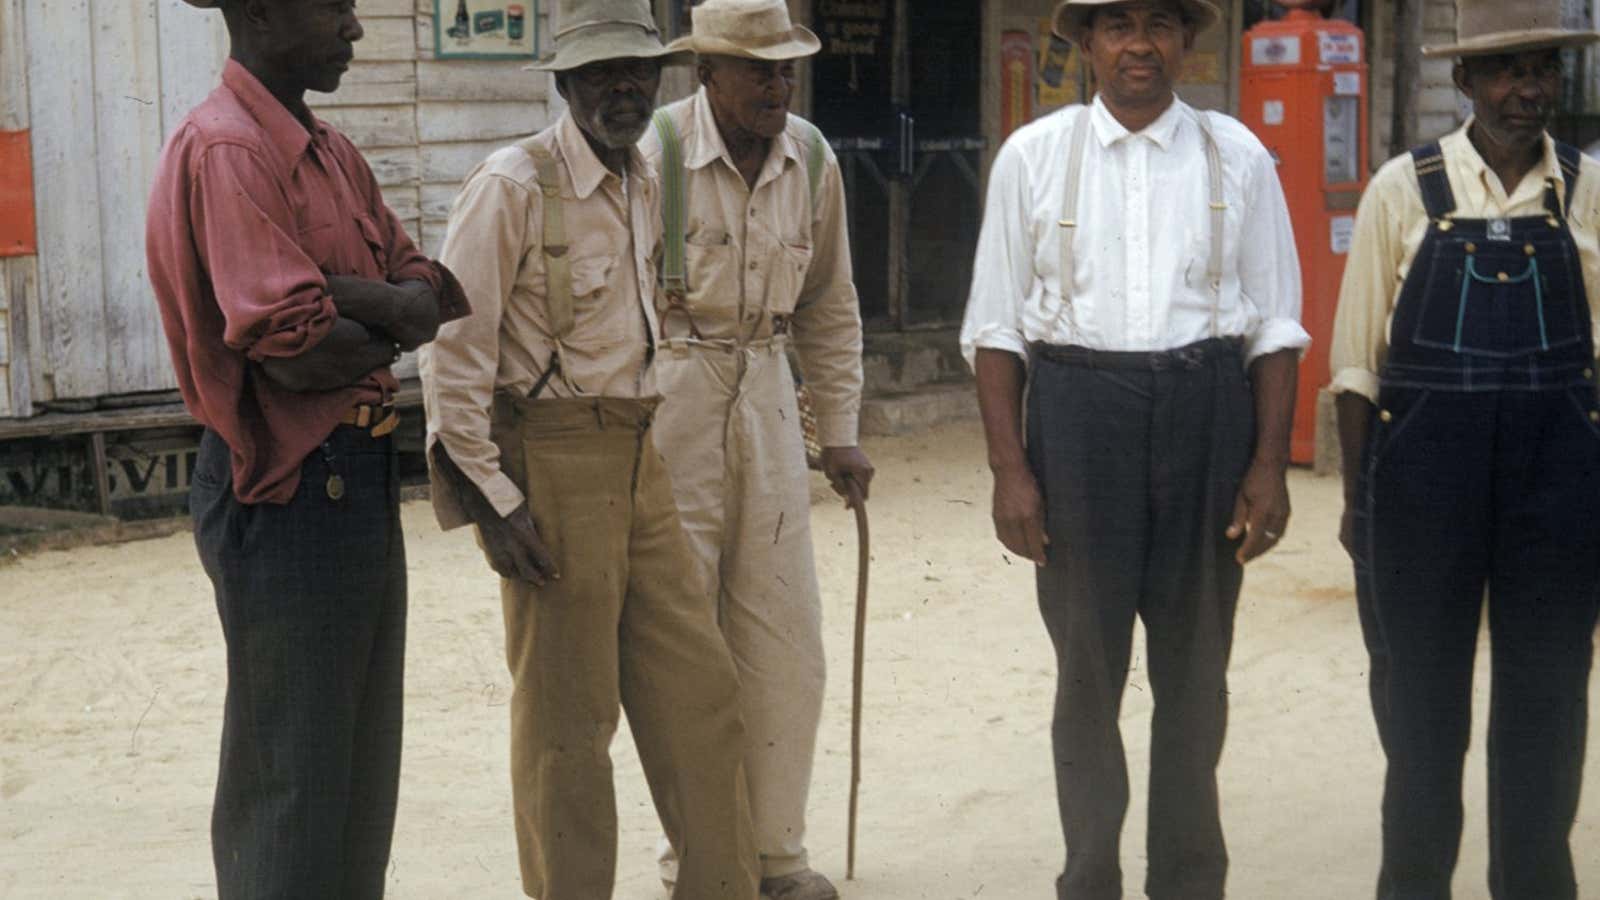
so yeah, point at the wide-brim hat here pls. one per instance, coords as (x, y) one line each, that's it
(1072, 16)
(590, 31)
(756, 29)
(1495, 27)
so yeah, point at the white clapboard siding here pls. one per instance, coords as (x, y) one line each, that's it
(61, 80)
(127, 103)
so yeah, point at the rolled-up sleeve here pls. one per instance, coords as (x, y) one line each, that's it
(273, 298)
(483, 245)
(827, 319)
(1002, 269)
(1269, 264)
(1361, 323)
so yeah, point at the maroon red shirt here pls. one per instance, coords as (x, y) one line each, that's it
(249, 214)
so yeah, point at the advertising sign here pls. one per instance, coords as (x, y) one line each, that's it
(485, 29)
(1016, 81)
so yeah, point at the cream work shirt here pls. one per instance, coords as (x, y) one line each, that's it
(495, 244)
(1392, 221)
(771, 250)
(1143, 242)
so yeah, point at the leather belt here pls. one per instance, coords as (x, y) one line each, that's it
(378, 419)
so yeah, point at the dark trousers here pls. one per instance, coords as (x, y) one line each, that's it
(1140, 469)
(312, 597)
(1469, 494)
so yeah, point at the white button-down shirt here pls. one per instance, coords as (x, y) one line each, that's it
(1143, 242)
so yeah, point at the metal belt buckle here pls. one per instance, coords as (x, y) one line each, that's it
(1499, 229)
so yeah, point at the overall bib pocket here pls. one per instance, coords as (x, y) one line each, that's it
(1498, 298)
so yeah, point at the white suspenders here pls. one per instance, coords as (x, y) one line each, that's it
(1069, 208)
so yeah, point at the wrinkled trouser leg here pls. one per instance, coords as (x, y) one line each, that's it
(739, 475)
(1139, 472)
(626, 625)
(312, 598)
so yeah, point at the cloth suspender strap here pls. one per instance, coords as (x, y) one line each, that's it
(557, 261)
(1571, 160)
(1437, 198)
(1218, 209)
(1069, 202)
(1219, 218)
(675, 211)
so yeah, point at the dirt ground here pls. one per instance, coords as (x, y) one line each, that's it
(111, 682)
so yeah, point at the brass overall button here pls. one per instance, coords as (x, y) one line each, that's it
(1594, 415)
(1386, 416)
(1528, 249)
(1471, 247)
(1503, 277)
(1553, 222)
(1446, 224)
(1588, 373)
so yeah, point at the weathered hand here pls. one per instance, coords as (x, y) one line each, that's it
(844, 464)
(515, 549)
(1261, 512)
(1019, 514)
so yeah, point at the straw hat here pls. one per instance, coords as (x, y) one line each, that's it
(1072, 16)
(757, 29)
(595, 30)
(1494, 27)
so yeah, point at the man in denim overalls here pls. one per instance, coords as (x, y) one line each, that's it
(1463, 357)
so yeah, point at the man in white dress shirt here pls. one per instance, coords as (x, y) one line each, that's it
(1137, 272)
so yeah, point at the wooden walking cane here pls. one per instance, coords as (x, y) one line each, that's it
(863, 561)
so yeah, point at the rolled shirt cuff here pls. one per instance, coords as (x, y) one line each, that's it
(1356, 380)
(1275, 335)
(993, 337)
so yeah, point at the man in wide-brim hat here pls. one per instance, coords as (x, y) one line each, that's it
(540, 410)
(1463, 359)
(760, 234)
(1136, 294)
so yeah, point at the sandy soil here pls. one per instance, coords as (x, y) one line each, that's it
(111, 679)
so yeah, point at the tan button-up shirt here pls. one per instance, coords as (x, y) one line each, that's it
(1391, 223)
(771, 251)
(495, 240)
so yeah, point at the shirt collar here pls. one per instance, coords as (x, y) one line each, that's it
(706, 146)
(1161, 132)
(1485, 184)
(284, 132)
(586, 169)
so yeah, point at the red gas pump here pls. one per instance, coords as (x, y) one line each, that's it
(1303, 91)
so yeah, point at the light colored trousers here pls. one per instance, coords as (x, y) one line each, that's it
(626, 624)
(730, 431)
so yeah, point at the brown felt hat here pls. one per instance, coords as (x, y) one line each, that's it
(1495, 27)
(1072, 16)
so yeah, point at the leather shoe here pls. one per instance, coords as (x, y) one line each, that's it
(806, 885)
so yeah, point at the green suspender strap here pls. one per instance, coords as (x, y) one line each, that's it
(675, 210)
(557, 261)
(674, 224)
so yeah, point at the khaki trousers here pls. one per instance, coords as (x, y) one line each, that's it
(730, 431)
(625, 624)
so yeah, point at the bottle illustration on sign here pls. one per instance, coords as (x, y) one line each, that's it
(462, 29)
(1053, 67)
(514, 21)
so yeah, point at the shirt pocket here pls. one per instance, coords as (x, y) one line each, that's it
(590, 298)
(787, 277)
(712, 271)
(375, 264)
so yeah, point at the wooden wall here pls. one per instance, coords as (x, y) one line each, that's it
(102, 82)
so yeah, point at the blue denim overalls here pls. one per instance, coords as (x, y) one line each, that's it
(1483, 474)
